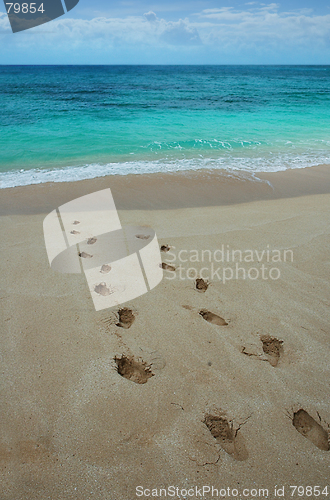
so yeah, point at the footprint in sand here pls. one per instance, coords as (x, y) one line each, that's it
(167, 267)
(212, 318)
(85, 255)
(135, 370)
(76, 222)
(273, 348)
(310, 429)
(142, 236)
(201, 285)
(91, 241)
(125, 318)
(225, 434)
(105, 269)
(165, 248)
(102, 289)
(74, 232)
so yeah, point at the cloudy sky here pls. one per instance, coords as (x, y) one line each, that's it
(175, 32)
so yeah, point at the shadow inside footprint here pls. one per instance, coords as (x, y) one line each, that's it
(201, 285)
(273, 348)
(91, 241)
(142, 236)
(105, 269)
(85, 255)
(310, 429)
(125, 318)
(229, 439)
(212, 318)
(165, 248)
(102, 289)
(167, 267)
(135, 370)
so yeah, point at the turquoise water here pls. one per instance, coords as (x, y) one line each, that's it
(73, 122)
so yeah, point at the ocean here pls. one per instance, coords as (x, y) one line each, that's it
(64, 123)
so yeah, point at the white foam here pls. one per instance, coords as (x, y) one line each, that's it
(269, 163)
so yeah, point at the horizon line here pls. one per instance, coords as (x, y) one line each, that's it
(169, 64)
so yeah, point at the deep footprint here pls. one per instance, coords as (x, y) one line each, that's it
(201, 285)
(126, 318)
(310, 429)
(165, 248)
(212, 318)
(229, 439)
(134, 370)
(273, 348)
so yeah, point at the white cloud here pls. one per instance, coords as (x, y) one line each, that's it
(223, 30)
(262, 25)
(146, 30)
(4, 21)
(181, 34)
(214, 11)
(150, 16)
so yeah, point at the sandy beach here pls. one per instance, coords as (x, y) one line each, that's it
(225, 386)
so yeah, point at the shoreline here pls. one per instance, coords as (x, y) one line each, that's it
(171, 190)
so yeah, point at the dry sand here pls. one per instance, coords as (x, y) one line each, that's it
(239, 405)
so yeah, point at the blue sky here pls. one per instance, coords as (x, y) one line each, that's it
(176, 32)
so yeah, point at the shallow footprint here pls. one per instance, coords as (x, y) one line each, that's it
(105, 269)
(273, 348)
(102, 289)
(142, 236)
(91, 241)
(135, 370)
(310, 429)
(225, 434)
(85, 255)
(126, 318)
(212, 318)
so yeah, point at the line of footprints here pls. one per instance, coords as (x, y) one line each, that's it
(221, 428)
